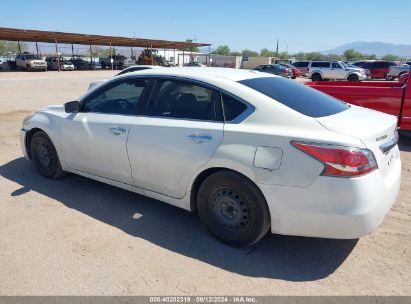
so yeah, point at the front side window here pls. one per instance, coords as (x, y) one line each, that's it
(118, 98)
(184, 100)
(336, 65)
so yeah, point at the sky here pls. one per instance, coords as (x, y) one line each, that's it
(305, 25)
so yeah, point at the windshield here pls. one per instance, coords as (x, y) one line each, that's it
(30, 57)
(298, 97)
(344, 65)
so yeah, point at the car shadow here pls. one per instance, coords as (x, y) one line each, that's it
(280, 257)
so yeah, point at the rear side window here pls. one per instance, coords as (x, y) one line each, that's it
(232, 107)
(301, 64)
(380, 65)
(298, 97)
(320, 64)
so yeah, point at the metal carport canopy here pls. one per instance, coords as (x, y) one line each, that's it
(12, 34)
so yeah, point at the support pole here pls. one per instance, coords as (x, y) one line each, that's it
(152, 56)
(174, 58)
(131, 52)
(18, 42)
(209, 56)
(72, 51)
(58, 56)
(37, 49)
(183, 57)
(111, 58)
(91, 59)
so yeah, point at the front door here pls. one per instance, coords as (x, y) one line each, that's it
(179, 131)
(95, 140)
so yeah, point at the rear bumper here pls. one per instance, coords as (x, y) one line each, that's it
(332, 207)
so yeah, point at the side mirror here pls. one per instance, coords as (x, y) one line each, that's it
(72, 107)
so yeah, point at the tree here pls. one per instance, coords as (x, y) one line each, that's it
(12, 46)
(370, 56)
(390, 57)
(192, 48)
(352, 54)
(222, 50)
(267, 53)
(315, 56)
(301, 56)
(235, 53)
(249, 53)
(333, 57)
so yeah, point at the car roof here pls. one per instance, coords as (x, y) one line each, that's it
(204, 73)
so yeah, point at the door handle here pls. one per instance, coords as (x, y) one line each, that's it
(117, 131)
(199, 139)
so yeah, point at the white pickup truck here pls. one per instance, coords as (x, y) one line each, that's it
(397, 70)
(30, 62)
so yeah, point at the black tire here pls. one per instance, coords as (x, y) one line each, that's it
(293, 77)
(353, 77)
(233, 209)
(120, 66)
(103, 65)
(44, 156)
(316, 77)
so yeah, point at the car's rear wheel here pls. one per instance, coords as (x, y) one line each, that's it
(353, 77)
(316, 77)
(233, 209)
(103, 65)
(44, 156)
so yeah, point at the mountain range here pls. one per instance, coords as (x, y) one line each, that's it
(377, 48)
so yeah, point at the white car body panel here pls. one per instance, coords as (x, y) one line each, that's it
(164, 153)
(164, 164)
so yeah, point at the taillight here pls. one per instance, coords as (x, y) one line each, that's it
(340, 161)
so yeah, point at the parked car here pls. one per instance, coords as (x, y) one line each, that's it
(119, 62)
(238, 147)
(30, 62)
(338, 70)
(135, 68)
(80, 63)
(302, 66)
(276, 69)
(391, 98)
(296, 72)
(397, 70)
(378, 68)
(66, 65)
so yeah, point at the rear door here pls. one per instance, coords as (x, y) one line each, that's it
(177, 133)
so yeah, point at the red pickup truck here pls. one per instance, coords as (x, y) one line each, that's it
(389, 97)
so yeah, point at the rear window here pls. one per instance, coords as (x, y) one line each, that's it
(298, 97)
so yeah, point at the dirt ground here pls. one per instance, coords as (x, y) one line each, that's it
(76, 236)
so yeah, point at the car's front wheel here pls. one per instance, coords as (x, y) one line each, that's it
(233, 209)
(44, 156)
(316, 77)
(353, 77)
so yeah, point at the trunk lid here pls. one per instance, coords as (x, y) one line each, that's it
(377, 130)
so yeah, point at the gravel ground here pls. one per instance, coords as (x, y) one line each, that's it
(76, 236)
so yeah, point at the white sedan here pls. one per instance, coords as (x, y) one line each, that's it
(250, 152)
